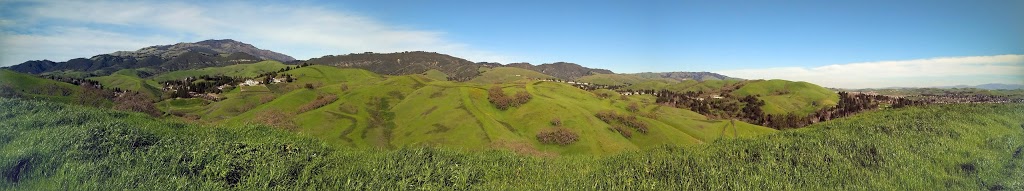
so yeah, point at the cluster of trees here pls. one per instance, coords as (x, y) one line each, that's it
(748, 108)
(849, 104)
(559, 135)
(616, 119)
(75, 81)
(724, 107)
(587, 86)
(200, 85)
(268, 78)
(497, 97)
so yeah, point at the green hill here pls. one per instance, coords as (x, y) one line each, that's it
(128, 79)
(507, 74)
(612, 79)
(238, 70)
(782, 97)
(29, 86)
(49, 146)
(374, 111)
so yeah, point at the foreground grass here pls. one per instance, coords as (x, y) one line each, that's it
(49, 146)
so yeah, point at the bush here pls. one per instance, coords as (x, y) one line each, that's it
(320, 101)
(135, 101)
(501, 101)
(633, 107)
(623, 131)
(8, 91)
(556, 122)
(309, 86)
(560, 136)
(612, 118)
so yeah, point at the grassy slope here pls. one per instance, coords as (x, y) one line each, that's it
(182, 105)
(612, 79)
(782, 97)
(27, 85)
(436, 75)
(507, 74)
(50, 146)
(241, 70)
(128, 79)
(428, 112)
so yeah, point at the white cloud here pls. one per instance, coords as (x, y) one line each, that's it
(300, 31)
(64, 43)
(946, 71)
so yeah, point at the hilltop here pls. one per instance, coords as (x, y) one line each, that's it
(160, 58)
(403, 63)
(392, 100)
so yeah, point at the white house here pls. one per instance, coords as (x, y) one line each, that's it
(249, 82)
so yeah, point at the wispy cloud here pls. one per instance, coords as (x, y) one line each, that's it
(61, 30)
(970, 70)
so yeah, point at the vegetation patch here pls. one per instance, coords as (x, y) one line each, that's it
(559, 136)
(320, 101)
(613, 118)
(501, 101)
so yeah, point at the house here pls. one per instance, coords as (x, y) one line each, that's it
(249, 82)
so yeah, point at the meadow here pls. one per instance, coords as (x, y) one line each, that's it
(55, 146)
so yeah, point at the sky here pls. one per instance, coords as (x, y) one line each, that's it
(845, 44)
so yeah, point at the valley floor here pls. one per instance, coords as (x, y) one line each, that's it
(52, 146)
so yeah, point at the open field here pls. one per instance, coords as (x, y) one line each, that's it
(947, 147)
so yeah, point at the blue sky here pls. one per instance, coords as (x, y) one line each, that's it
(948, 42)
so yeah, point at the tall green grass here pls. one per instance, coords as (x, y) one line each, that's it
(51, 146)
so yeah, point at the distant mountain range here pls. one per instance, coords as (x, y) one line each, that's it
(213, 53)
(161, 58)
(699, 76)
(563, 70)
(993, 86)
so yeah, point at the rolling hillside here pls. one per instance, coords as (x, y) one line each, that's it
(25, 85)
(782, 97)
(373, 111)
(238, 70)
(506, 75)
(128, 79)
(49, 146)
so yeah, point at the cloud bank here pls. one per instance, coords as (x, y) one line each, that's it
(61, 30)
(972, 70)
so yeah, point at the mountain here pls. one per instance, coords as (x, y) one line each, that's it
(161, 58)
(1000, 86)
(992, 86)
(563, 70)
(699, 76)
(213, 47)
(651, 80)
(404, 63)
